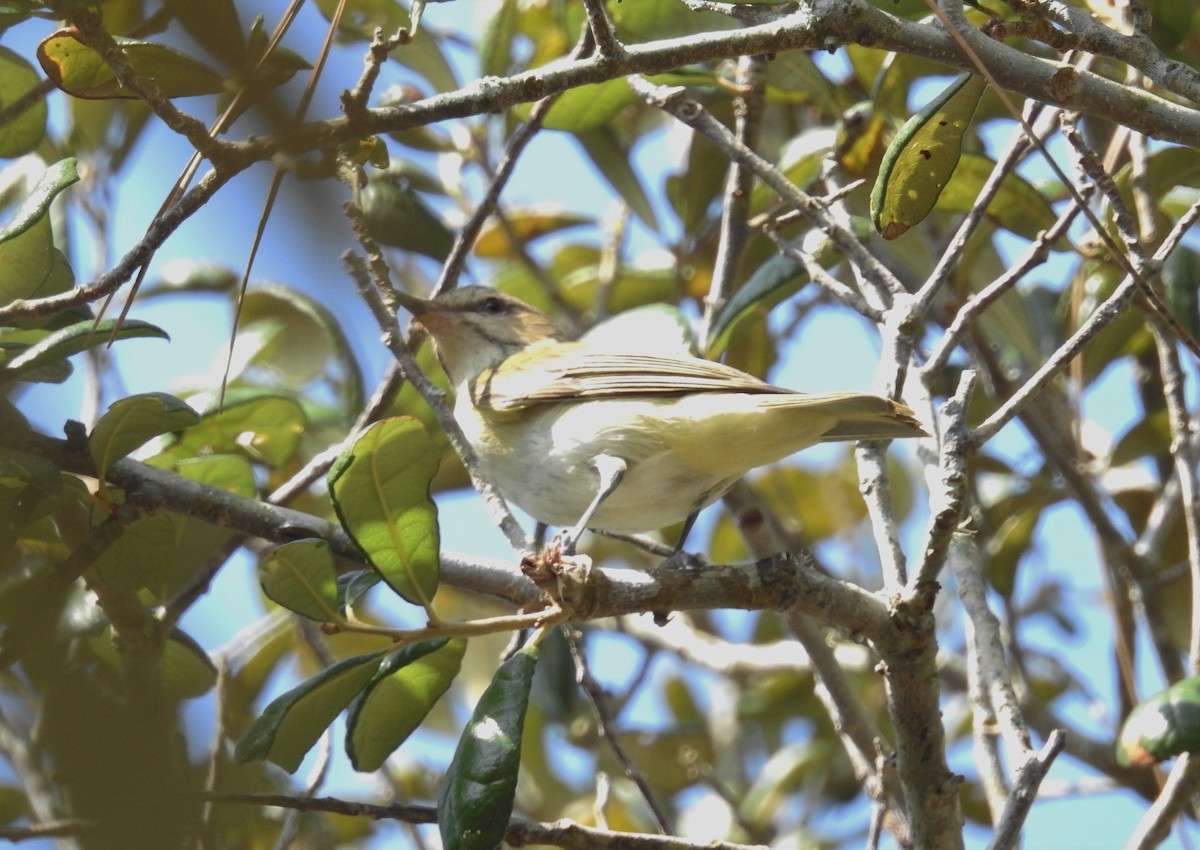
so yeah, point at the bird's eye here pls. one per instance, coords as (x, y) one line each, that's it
(493, 305)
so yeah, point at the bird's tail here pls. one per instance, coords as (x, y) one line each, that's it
(868, 417)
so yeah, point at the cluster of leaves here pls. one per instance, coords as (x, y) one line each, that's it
(97, 570)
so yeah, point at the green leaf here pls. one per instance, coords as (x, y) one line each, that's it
(291, 724)
(396, 215)
(590, 107)
(380, 490)
(141, 556)
(778, 278)
(80, 71)
(612, 158)
(300, 576)
(475, 798)
(921, 159)
(1017, 207)
(133, 421)
(24, 469)
(352, 585)
(496, 39)
(528, 224)
(215, 24)
(185, 670)
(25, 131)
(266, 429)
(1163, 726)
(396, 701)
(28, 258)
(71, 340)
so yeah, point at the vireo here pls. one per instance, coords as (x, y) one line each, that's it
(582, 436)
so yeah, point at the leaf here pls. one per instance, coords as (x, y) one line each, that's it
(300, 576)
(1017, 206)
(71, 340)
(352, 585)
(380, 490)
(184, 668)
(778, 278)
(921, 159)
(496, 39)
(396, 215)
(23, 132)
(293, 722)
(1163, 726)
(529, 224)
(397, 700)
(141, 556)
(27, 254)
(612, 158)
(475, 797)
(24, 469)
(264, 428)
(133, 421)
(590, 107)
(80, 71)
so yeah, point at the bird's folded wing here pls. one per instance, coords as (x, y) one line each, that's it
(573, 372)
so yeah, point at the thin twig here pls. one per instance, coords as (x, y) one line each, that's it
(731, 242)
(606, 726)
(1029, 776)
(690, 112)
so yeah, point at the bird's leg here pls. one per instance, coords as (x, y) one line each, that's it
(611, 470)
(678, 558)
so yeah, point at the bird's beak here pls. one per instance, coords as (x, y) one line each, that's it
(417, 306)
(429, 314)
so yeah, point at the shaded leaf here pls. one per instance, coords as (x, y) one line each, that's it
(292, 723)
(380, 489)
(396, 701)
(396, 215)
(778, 278)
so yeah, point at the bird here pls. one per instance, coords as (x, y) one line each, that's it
(585, 435)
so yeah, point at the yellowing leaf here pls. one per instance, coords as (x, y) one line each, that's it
(921, 159)
(80, 71)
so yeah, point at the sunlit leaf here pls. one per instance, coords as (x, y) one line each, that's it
(80, 71)
(397, 700)
(263, 428)
(1165, 725)
(300, 576)
(921, 159)
(291, 724)
(380, 488)
(25, 131)
(132, 421)
(72, 340)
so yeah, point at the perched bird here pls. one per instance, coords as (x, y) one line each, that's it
(583, 436)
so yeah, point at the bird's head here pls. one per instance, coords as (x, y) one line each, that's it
(477, 327)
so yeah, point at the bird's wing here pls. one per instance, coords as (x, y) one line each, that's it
(572, 372)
